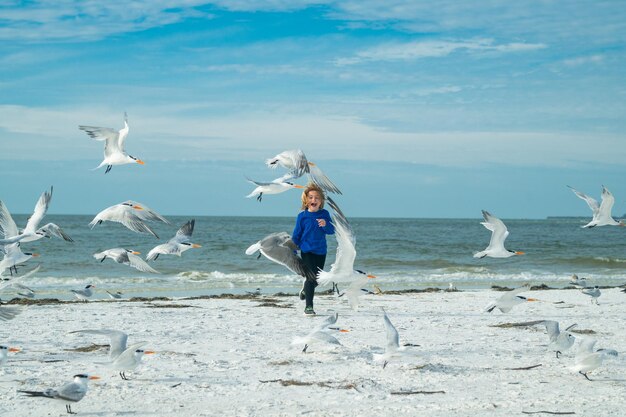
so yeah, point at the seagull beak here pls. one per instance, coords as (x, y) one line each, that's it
(94, 377)
(298, 186)
(35, 255)
(195, 245)
(136, 253)
(149, 352)
(371, 276)
(137, 207)
(140, 162)
(13, 349)
(311, 164)
(344, 330)
(520, 253)
(531, 299)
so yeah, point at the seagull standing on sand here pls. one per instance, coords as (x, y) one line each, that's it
(298, 165)
(131, 214)
(68, 394)
(32, 231)
(319, 334)
(594, 293)
(509, 300)
(588, 360)
(559, 341)
(278, 247)
(176, 245)
(114, 153)
(85, 293)
(602, 212)
(342, 270)
(499, 234)
(129, 359)
(4, 353)
(126, 257)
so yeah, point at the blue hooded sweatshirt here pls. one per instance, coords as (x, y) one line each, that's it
(308, 235)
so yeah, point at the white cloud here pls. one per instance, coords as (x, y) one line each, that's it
(157, 134)
(91, 19)
(584, 60)
(409, 51)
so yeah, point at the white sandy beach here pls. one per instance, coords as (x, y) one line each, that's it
(234, 357)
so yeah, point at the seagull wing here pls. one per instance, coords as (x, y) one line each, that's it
(40, 210)
(117, 338)
(591, 202)
(279, 247)
(184, 233)
(138, 263)
(346, 252)
(393, 338)
(7, 224)
(318, 177)
(606, 206)
(498, 229)
(54, 230)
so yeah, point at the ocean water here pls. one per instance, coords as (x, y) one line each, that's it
(402, 253)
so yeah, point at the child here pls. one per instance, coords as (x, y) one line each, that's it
(312, 226)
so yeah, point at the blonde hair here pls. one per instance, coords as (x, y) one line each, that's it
(312, 187)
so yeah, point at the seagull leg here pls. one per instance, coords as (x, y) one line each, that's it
(335, 288)
(123, 375)
(585, 375)
(260, 196)
(385, 364)
(108, 169)
(68, 408)
(557, 353)
(157, 256)
(305, 347)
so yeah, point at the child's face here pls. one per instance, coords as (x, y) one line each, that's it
(314, 201)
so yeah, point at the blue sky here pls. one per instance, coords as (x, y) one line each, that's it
(414, 108)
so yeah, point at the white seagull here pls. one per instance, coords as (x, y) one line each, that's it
(117, 295)
(176, 245)
(32, 231)
(14, 256)
(279, 185)
(85, 293)
(342, 270)
(587, 359)
(131, 214)
(68, 394)
(278, 247)
(393, 350)
(499, 233)
(4, 353)
(578, 282)
(559, 340)
(114, 153)
(602, 212)
(298, 165)
(509, 300)
(593, 292)
(16, 283)
(319, 334)
(129, 359)
(126, 257)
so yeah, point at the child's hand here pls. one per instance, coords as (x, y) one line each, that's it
(321, 222)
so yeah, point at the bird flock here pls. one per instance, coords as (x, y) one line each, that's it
(277, 246)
